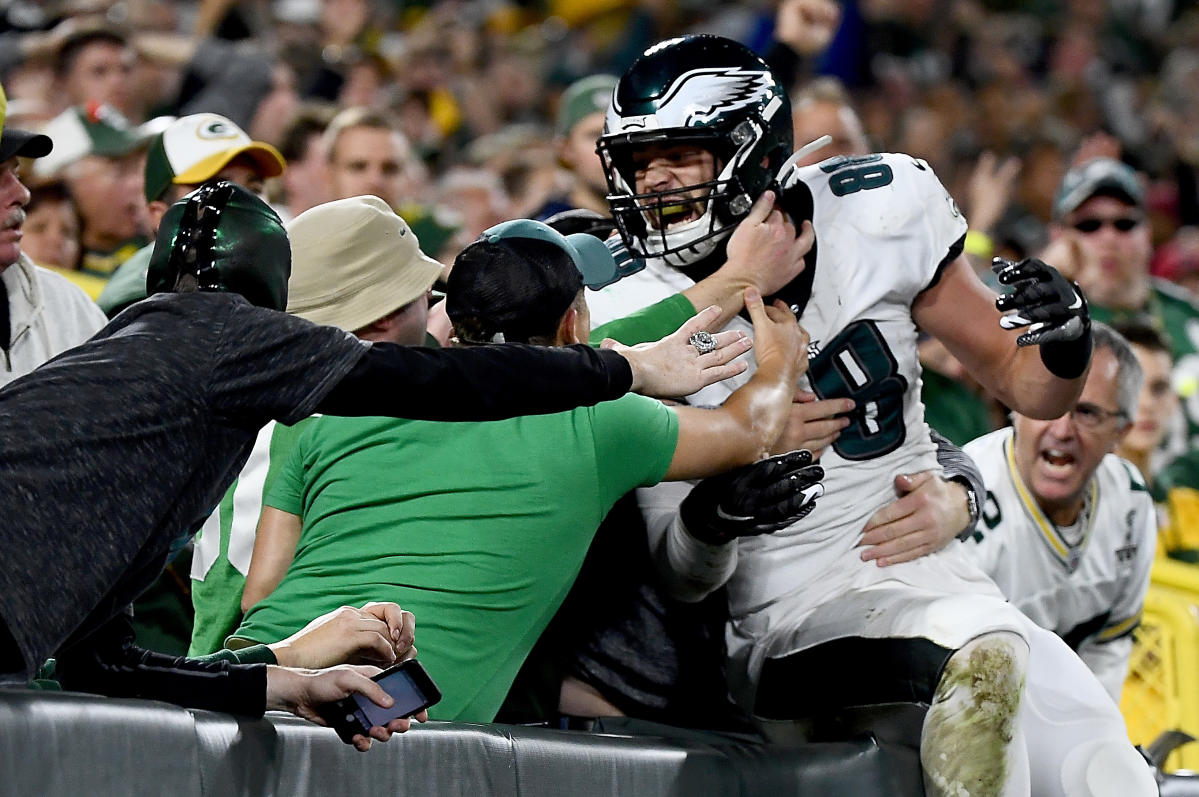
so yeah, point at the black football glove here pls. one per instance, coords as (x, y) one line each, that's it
(753, 499)
(1053, 309)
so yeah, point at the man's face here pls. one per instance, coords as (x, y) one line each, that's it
(1115, 243)
(101, 73)
(1057, 458)
(817, 118)
(108, 193)
(1157, 403)
(307, 178)
(14, 196)
(579, 155)
(671, 169)
(369, 160)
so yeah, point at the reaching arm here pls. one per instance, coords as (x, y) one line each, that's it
(960, 311)
(274, 548)
(747, 425)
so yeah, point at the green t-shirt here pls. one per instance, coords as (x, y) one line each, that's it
(221, 557)
(127, 284)
(479, 529)
(224, 545)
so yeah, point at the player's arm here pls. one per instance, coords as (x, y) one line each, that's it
(1040, 381)
(274, 549)
(747, 425)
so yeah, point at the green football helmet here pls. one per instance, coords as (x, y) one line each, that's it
(711, 92)
(222, 237)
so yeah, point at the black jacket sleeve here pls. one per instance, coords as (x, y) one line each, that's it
(107, 662)
(484, 383)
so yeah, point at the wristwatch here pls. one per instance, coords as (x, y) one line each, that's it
(972, 506)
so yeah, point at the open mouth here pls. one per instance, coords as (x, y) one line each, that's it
(675, 215)
(1057, 460)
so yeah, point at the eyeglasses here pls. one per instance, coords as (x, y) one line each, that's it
(1091, 416)
(1123, 224)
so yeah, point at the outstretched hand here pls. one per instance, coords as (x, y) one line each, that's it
(674, 367)
(753, 499)
(301, 691)
(1053, 309)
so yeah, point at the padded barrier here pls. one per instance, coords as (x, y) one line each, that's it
(66, 743)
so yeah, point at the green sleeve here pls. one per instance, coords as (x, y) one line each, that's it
(255, 654)
(635, 439)
(647, 324)
(284, 485)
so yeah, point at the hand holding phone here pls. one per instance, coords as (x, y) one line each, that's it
(408, 684)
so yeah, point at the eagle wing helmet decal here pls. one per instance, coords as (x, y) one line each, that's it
(701, 95)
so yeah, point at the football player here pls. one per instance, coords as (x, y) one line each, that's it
(699, 129)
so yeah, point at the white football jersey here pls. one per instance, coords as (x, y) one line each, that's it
(1089, 593)
(885, 227)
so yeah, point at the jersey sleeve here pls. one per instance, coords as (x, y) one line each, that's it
(891, 199)
(635, 439)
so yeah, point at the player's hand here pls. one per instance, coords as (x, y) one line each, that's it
(1053, 309)
(673, 366)
(753, 499)
(378, 633)
(814, 424)
(928, 515)
(301, 691)
(765, 250)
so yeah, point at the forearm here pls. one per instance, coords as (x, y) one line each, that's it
(477, 384)
(650, 323)
(687, 568)
(691, 569)
(741, 431)
(108, 663)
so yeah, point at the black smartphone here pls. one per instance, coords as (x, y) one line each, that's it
(409, 685)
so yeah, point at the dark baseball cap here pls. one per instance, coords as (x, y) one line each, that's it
(1096, 177)
(515, 282)
(24, 144)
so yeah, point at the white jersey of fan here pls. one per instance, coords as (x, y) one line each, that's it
(1089, 592)
(885, 227)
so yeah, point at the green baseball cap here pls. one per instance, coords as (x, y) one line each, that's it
(582, 98)
(91, 129)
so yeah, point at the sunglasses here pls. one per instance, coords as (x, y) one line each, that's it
(1123, 224)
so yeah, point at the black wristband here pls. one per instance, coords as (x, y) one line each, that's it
(1068, 359)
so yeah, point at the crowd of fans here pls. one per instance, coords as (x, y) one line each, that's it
(1066, 130)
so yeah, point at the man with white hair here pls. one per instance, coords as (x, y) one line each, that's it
(41, 313)
(1069, 530)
